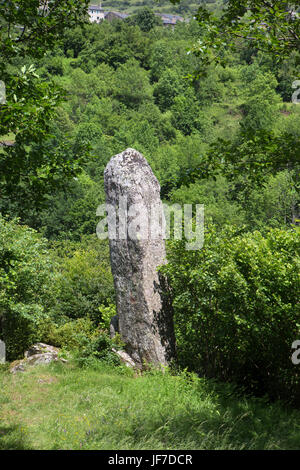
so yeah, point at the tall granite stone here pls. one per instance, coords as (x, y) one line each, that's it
(137, 248)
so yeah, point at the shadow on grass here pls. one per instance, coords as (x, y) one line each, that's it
(233, 420)
(13, 438)
(212, 416)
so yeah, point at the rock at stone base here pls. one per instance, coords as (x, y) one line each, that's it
(17, 366)
(125, 358)
(39, 353)
(41, 348)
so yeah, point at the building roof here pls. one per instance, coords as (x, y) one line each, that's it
(169, 19)
(117, 13)
(167, 15)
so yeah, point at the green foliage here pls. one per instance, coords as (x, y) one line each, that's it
(84, 281)
(145, 19)
(139, 135)
(114, 44)
(25, 280)
(70, 336)
(170, 85)
(158, 113)
(185, 113)
(100, 349)
(250, 28)
(106, 315)
(229, 142)
(216, 195)
(41, 292)
(26, 32)
(275, 204)
(160, 58)
(270, 27)
(132, 92)
(250, 157)
(74, 41)
(236, 308)
(261, 100)
(72, 212)
(42, 27)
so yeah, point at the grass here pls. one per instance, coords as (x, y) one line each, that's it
(64, 407)
(136, 5)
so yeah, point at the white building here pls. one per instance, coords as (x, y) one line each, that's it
(96, 13)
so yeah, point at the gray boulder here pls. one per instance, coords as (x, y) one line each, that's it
(39, 353)
(125, 358)
(41, 348)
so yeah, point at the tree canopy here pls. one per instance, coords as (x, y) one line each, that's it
(269, 25)
(28, 28)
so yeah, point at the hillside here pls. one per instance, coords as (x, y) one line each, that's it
(185, 8)
(218, 124)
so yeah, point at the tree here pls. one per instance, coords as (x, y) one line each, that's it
(269, 25)
(236, 308)
(168, 87)
(132, 92)
(185, 112)
(261, 104)
(251, 157)
(28, 28)
(26, 277)
(145, 19)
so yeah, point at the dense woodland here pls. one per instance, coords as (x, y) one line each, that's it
(227, 138)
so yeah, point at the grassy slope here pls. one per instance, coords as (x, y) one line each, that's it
(132, 6)
(61, 407)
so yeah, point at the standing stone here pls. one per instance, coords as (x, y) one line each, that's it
(145, 318)
(2, 352)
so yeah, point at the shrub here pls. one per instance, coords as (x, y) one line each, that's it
(72, 335)
(106, 314)
(25, 277)
(100, 349)
(84, 281)
(236, 308)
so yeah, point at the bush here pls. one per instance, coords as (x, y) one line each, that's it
(236, 308)
(25, 277)
(72, 335)
(84, 281)
(106, 314)
(100, 349)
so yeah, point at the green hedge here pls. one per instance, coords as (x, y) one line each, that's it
(25, 279)
(83, 279)
(237, 308)
(57, 295)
